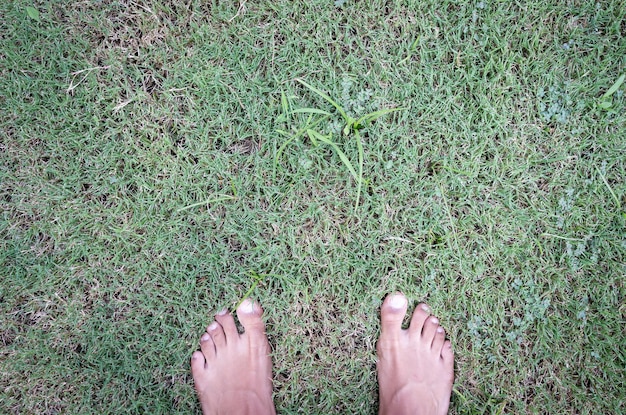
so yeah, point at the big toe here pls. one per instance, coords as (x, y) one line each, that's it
(392, 313)
(249, 314)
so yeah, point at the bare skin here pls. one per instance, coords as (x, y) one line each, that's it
(233, 372)
(415, 366)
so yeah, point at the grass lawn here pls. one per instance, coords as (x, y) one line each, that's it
(144, 180)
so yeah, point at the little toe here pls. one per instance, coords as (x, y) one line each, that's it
(207, 346)
(227, 322)
(447, 358)
(392, 313)
(249, 314)
(197, 364)
(217, 335)
(447, 354)
(421, 313)
(429, 331)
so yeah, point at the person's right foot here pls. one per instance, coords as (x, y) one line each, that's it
(415, 366)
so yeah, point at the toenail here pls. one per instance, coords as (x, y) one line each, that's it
(434, 320)
(205, 337)
(247, 307)
(212, 326)
(439, 329)
(426, 308)
(397, 301)
(222, 312)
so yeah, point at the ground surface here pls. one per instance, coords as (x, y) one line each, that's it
(497, 196)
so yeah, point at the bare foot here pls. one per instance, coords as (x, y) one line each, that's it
(233, 372)
(415, 366)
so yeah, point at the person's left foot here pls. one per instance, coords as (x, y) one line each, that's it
(233, 372)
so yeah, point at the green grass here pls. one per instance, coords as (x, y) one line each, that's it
(139, 193)
(349, 127)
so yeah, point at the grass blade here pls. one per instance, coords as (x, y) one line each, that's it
(284, 103)
(606, 183)
(298, 134)
(326, 97)
(615, 87)
(218, 198)
(32, 13)
(313, 136)
(280, 150)
(341, 154)
(257, 280)
(367, 118)
(359, 180)
(344, 159)
(309, 111)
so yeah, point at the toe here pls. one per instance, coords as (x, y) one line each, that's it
(207, 346)
(249, 314)
(448, 358)
(429, 331)
(227, 322)
(392, 313)
(421, 313)
(217, 335)
(197, 364)
(440, 338)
